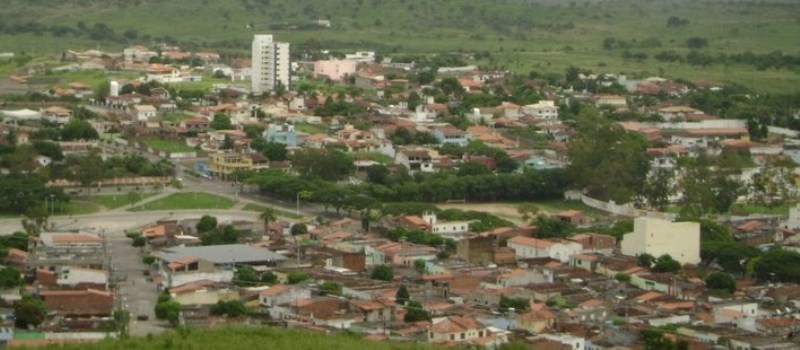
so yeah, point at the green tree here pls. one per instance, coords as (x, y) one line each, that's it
(721, 281)
(275, 151)
(299, 229)
(383, 273)
(658, 188)
(472, 168)
(29, 311)
(245, 276)
(122, 321)
(778, 265)
(420, 265)
(323, 163)
(169, 310)
(645, 260)
(402, 296)
(229, 308)
(10, 278)
(330, 288)
(221, 235)
(77, 129)
(519, 304)
(221, 122)
(415, 312)
(607, 161)
(269, 277)
(206, 223)
(296, 277)
(549, 227)
(666, 263)
(267, 216)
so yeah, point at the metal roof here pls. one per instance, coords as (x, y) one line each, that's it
(222, 254)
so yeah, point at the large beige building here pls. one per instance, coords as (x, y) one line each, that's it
(657, 237)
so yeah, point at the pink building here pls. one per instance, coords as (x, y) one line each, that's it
(334, 69)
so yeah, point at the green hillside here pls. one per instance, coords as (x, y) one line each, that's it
(239, 338)
(547, 35)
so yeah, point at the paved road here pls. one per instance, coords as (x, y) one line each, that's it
(134, 292)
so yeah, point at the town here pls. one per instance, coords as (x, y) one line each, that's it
(424, 200)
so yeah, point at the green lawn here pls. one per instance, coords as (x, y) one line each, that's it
(170, 146)
(78, 207)
(260, 208)
(748, 208)
(189, 200)
(311, 128)
(114, 201)
(239, 337)
(174, 117)
(374, 156)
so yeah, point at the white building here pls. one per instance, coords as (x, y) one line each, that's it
(793, 223)
(144, 112)
(527, 247)
(657, 237)
(543, 109)
(445, 227)
(271, 64)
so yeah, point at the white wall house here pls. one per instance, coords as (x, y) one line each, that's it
(544, 109)
(445, 227)
(657, 237)
(527, 247)
(145, 112)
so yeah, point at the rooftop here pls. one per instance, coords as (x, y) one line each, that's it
(221, 254)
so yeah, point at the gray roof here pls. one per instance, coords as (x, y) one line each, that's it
(221, 254)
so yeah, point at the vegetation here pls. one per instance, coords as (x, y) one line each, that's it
(402, 296)
(29, 311)
(190, 200)
(415, 312)
(236, 338)
(721, 281)
(518, 304)
(229, 308)
(383, 273)
(296, 277)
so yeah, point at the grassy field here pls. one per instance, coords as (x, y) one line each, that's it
(78, 207)
(189, 200)
(509, 211)
(114, 201)
(236, 338)
(546, 35)
(166, 145)
(311, 128)
(260, 208)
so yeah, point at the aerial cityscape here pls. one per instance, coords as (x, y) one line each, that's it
(409, 174)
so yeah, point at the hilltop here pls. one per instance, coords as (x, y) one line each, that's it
(545, 35)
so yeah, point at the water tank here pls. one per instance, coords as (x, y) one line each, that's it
(114, 89)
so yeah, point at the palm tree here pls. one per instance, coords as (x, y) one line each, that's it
(267, 216)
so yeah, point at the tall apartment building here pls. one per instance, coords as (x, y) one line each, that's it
(270, 64)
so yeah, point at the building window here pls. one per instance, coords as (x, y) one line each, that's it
(462, 335)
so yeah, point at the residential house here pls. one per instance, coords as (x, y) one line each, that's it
(57, 114)
(527, 247)
(543, 109)
(405, 254)
(417, 159)
(572, 217)
(281, 133)
(335, 70)
(657, 237)
(274, 297)
(78, 303)
(705, 138)
(452, 135)
(374, 310)
(447, 228)
(537, 320)
(144, 112)
(595, 242)
(677, 113)
(226, 164)
(613, 101)
(455, 329)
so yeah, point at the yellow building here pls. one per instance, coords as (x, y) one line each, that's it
(222, 165)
